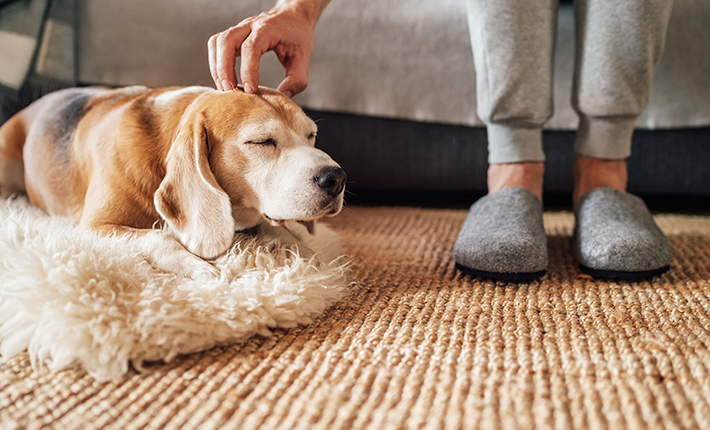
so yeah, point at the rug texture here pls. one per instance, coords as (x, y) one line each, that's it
(417, 345)
(72, 298)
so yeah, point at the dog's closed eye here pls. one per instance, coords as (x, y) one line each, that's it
(264, 142)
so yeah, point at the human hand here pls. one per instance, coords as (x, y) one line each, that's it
(287, 29)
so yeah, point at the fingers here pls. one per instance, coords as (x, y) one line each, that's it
(217, 74)
(223, 49)
(212, 60)
(251, 53)
(286, 31)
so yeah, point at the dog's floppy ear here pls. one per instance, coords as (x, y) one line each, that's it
(195, 207)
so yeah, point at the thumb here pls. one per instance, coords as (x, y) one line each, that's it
(291, 87)
(296, 78)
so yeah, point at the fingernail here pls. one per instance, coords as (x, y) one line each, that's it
(248, 89)
(226, 85)
(288, 93)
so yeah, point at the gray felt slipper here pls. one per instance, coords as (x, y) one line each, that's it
(616, 236)
(503, 237)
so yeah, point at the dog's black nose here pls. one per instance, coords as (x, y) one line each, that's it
(331, 179)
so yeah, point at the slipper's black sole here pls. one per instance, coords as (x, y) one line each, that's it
(501, 276)
(611, 274)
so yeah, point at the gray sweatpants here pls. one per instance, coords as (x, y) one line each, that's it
(618, 46)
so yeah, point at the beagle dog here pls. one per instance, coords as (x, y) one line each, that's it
(197, 162)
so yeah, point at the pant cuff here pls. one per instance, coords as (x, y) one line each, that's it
(512, 145)
(606, 138)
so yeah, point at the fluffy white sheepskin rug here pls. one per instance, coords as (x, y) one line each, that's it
(72, 298)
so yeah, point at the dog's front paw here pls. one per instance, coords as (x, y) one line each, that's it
(168, 255)
(289, 234)
(192, 267)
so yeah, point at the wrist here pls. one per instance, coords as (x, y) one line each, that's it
(309, 10)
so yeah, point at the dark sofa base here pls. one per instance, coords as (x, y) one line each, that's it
(382, 154)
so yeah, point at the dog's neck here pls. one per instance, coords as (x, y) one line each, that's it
(245, 218)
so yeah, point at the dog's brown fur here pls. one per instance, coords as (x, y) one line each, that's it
(202, 161)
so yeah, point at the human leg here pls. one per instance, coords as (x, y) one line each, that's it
(619, 45)
(590, 173)
(513, 40)
(513, 43)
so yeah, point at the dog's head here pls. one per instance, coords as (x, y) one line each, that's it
(236, 151)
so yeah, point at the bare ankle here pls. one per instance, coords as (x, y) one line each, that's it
(590, 173)
(524, 174)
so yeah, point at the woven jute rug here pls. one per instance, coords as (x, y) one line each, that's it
(416, 344)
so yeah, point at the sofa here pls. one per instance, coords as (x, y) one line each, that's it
(392, 87)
